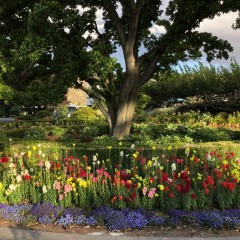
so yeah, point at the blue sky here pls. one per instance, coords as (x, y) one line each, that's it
(221, 27)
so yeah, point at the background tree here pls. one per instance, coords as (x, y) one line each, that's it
(199, 81)
(69, 44)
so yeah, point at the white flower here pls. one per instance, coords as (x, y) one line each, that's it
(174, 167)
(94, 158)
(98, 162)
(44, 189)
(11, 165)
(43, 155)
(133, 146)
(121, 154)
(39, 152)
(47, 165)
(19, 178)
(12, 187)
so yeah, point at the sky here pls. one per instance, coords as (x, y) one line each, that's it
(220, 26)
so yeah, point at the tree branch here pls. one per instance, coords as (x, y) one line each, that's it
(130, 3)
(115, 18)
(151, 66)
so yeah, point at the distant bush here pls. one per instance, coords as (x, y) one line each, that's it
(43, 114)
(35, 133)
(85, 113)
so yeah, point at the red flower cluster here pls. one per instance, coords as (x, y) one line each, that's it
(209, 182)
(229, 185)
(4, 160)
(186, 185)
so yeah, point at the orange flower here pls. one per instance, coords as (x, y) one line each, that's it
(120, 197)
(171, 195)
(113, 199)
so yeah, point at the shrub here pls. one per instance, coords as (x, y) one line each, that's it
(35, 133)
(43, 114)
(85, 113)
(16, 133)
(25, 117)
(206, 134)
(56, 131)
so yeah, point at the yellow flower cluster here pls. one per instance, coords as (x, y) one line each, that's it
(82, 182)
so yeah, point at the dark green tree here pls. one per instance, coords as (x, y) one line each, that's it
(54, 37)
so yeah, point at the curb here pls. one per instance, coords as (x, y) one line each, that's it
(23, 234)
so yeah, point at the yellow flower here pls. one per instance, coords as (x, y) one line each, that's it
(34, 148)
(156, 195)
(135, 155)
(225, 162)
(82, 183)
(139, 185)
(161, 167)
(120, 143)
(154, 148)
(109, 147)
(199, 176)
(169, 148)
(149, 163)
(236, 174)
(73, 185)
(161, 187)
(74, 144)
(70, 179)
(29, 153)
(1, 186)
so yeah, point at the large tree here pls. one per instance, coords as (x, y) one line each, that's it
(70, 45)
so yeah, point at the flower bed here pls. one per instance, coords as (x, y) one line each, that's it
(162, 182)
(40, 185)
(117, 219)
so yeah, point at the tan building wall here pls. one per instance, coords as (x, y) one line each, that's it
(76, 97)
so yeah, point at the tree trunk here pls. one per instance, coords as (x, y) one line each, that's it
(126, 109)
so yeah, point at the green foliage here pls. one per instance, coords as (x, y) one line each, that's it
(25, 117)
(45, 49)
(85, 113)
(206, 134)
(196, 81)
(43, 114)
(35, 133)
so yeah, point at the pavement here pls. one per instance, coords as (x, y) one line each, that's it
(7, 120)
(23, 234)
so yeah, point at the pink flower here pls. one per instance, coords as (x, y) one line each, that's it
(57, 185)
(40, 164)
(67, 188)
(151, 192)
(94, 179)
(60, 197)
(144, 190)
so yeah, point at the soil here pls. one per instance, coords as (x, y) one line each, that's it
(183, 231)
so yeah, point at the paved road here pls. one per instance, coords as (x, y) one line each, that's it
(7, 120)
(22, 234)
